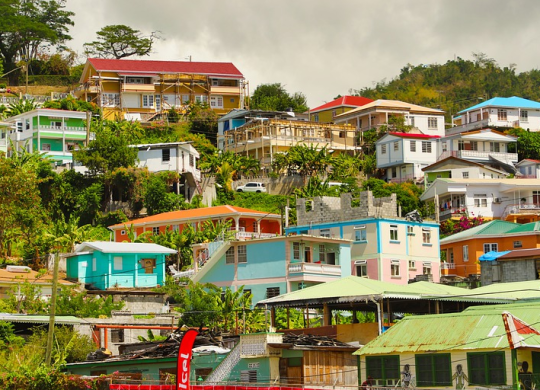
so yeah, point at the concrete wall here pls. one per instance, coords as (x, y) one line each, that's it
(333, 209)
(283, 185)
(508, 271)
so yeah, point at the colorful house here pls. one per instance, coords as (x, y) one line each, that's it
(245, 222)
(107, 265)
(499, 112)
(56, 133)
(328, 111)
(140, 89)
(384, 246)
(465, 350)
(461, 252)
(268, 267)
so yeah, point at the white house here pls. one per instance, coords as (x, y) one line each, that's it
(4, 134)
(404, 155)
(180, 157)
(528, 169)
(516, 200)
(425, 120)
(498, 112)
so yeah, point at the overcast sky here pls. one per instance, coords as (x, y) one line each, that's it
(323, 48)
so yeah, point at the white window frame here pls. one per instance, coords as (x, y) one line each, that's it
(242, 253)
(110, 99)
(216, 101)
(362, 264)
(491, 246)
(394, 235)
(46, 147)
(117, 263)
(155, 230)
(524, 116)
(229, 256)
(395, 268)
(465, 174)
(502, 114)
(426, 147)
(426, 268)
(518, 244)
(396, 146)
(433, 122)
(322, 253)
(296, 251)
(465, 253)
(412, 264)
(426, 235)
(324, 233)
(413, 146)
(383, 149)
(360, 233)
(148, 101)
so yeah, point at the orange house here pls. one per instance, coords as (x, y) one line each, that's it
(247, 223)
(460, 252)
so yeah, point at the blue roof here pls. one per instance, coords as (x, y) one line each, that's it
(510, 102)
(490, 256)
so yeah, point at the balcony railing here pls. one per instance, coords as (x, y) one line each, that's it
(475, 154)
(468, 126)
(448, 265)
(315, 268)
(138, 88)
(524, 209)
(253, 235)
(62, 128)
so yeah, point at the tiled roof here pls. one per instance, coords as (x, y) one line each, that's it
(509, 102)
(347, 101)
(225, 69)
(196, 215)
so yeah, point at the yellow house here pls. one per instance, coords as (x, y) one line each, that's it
(140, 89)
(328, 111)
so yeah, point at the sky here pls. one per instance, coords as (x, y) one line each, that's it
(322, 48)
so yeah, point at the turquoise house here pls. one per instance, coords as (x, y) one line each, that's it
(106, 265)
(268, 267)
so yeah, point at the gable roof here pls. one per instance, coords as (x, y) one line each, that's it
(142, 67)
(200, 214)
(463, 162)
(391, 104)
(494, 227)
(510, 102)
(528, 160)
(344, 101)
(121, 247)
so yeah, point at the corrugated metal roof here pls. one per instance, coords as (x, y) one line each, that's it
(509, 102)
(66, 320)
(520, 254)
(494, 227)
(479, 327)
(122, 247)
(525, 228)
(345, 101)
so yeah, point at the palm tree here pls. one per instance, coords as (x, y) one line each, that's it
(225, 174)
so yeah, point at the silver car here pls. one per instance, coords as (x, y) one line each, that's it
(252, 187)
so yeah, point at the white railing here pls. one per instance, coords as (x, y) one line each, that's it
(507, 157)
(253, 235)
(525, 208)
(448, 266)
(315, 268)
(62, 128)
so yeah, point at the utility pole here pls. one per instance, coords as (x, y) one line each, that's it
(88, 124)
(50, 335)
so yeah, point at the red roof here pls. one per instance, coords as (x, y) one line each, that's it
(348, 101)
(409, 135)
(225, 69)
(201, 214)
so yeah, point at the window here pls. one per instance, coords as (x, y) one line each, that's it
(135, 80)
(165, 155)
(433, 370)
(465, 252)
(272, 292)
(502, 114)
(191, 160)
(201, 99)
(411, 121)
(491, 247)
(56, 124)
(71, 146)
(383, 369)
(322, 254)
(518, 244)
(396, 146)
(148, 265)
(465, 175)
(296, 250)
(524, 116)
(444, 146)
(410, 230)
(361, 268)
(46, 147)
(413, 146)
(117, 335)
(487, 368)
(94, 264)
(426, 235)
(480, 200)
(334, 113)
(474, 145)
(248, 376)
(426, 147)
(412, 264)
(394, 267)
(494, 147)
(360, 233)
(426, 268)
(229, 256)
(324, 232)
(110, 99)
(255, 227)
(155, 230)
(316, 117)
(393, 232)
(216, 101)
(394, 172)
(383, 149)
(342, 134)
(148, 101)
(242, 254)
(117, 263)
(432, 122)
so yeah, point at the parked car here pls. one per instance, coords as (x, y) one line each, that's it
(252, 187)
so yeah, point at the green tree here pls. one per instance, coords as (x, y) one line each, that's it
(159, 198)
(199, 305)
(203, 120)
(120, 41)
(69, 346)
(275, 97)
(26, 26)
(20, 107)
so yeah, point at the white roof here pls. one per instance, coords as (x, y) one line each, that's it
(488, 136)
(122, 247)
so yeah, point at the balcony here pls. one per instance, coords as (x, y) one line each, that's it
(62, 129)
(515, 211)
(253, 235)
(477, 155)
(224, 90)
(315, 268)
(458, 212)
(468, 127)
(149, 88)
(448, 266)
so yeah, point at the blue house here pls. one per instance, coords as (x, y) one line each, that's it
(106, 265)
(268, 267)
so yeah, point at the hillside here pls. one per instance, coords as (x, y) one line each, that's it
(457, 84)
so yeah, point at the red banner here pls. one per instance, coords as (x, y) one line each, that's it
(184, 360)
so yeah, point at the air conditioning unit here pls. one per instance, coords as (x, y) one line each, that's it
(497, 200)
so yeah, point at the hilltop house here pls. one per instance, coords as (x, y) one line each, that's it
(4, 135)
(507, 199)
(140, 89)
(107, 265)
(499, 112)
(528, 169)
(56, 133)
(404, 155)
(246, 223)
(384, 247)
(461, 252)
(328, 111)
(428, 121)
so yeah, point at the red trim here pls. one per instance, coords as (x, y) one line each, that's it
(347, 101)
(184, 359)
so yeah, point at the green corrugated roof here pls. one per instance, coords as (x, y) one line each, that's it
(525, 228)
(479, 328)
(490, 228)
(529, 290)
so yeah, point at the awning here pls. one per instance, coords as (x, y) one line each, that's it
(491, 256)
